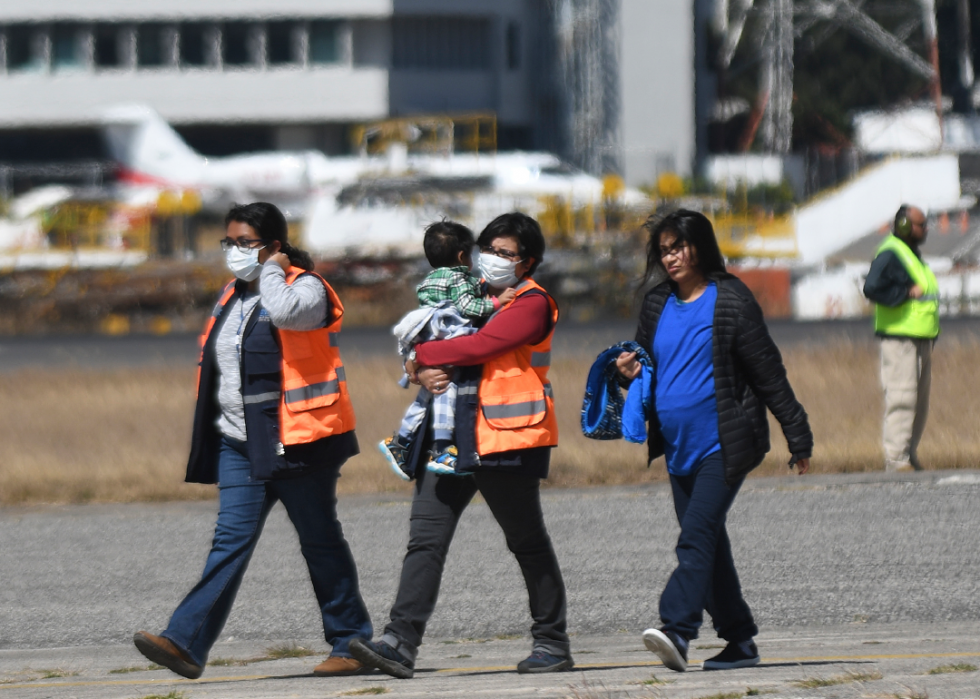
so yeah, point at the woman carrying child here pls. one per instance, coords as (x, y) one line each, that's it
(452, 299)
(505, 430)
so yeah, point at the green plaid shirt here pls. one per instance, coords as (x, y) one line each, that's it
(455, 284)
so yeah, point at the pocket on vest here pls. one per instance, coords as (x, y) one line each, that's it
(514, 411)
(317, 394)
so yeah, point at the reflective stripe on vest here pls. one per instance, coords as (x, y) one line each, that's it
(316, 390)
(913, 317)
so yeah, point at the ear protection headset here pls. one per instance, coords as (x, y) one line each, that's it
(903, 224)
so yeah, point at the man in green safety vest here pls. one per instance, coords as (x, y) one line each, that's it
(906, 298)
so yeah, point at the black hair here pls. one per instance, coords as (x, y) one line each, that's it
(270, 225)
(689, 227)
(527, 232)
(443, 242)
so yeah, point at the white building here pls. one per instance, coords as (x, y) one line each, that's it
(289, 74)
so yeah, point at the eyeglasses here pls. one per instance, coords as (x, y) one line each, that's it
(242, 244)
(676, 249)
(506, 254)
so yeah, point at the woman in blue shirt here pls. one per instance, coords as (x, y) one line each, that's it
(716, 370)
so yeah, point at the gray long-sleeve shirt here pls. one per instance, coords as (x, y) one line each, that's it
(302, 305)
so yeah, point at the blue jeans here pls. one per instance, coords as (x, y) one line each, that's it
(705, 576)
(311, 503)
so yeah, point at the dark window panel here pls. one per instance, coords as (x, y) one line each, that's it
(149, 45)
(106, 46)
(234, 44)
(279, 43)
(65, 51)
(513, 46)
(192, 44)
(19, 46)
(324, 42)
(441, 43)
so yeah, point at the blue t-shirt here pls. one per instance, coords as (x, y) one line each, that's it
(685, 396)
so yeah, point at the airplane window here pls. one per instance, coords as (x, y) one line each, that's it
(106, 46)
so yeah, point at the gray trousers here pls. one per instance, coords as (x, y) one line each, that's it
(906, 376)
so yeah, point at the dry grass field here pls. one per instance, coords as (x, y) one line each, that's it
(90, 436)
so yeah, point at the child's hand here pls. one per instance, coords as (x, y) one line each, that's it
(507, 296)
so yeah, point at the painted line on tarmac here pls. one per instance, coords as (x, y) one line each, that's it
(463, 670)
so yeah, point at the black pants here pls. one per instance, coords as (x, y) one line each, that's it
(705, 577)
(515, 503)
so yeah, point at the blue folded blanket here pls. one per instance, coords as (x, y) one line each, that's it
(604, 411)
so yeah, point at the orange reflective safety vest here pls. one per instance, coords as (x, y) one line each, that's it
(516, 407)
(313, 400)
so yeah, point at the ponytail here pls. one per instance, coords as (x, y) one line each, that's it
(270, 225)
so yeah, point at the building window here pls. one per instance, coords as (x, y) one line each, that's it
(19, 54)
(324, 42)
(149, 45)
(106, 38)
(65, 50)
(513, 46)
(234, 44)
(193, 44)
(441, 43)
(279, 43)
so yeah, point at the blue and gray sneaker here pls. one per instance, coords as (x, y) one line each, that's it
(444, 463)
(382, 656)
(542, 661)
(396, 454)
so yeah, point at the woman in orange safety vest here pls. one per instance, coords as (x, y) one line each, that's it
(273, 422)
(505, 430)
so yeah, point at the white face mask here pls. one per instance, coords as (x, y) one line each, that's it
(498, 272)
(244, 264)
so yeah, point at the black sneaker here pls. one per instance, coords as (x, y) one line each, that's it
(669, 647)
(542, 661)
(382, 656)
(735, 655)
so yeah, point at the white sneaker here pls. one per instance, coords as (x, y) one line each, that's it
(668, 648)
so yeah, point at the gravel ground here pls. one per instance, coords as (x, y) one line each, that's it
(824, 550)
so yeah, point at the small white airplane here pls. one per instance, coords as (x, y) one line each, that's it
(351, 205)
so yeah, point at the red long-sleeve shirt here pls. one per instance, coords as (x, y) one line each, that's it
(526, 321)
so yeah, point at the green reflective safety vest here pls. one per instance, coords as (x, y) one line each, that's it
(914, 317)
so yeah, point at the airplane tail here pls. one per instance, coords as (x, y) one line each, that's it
(148, 148)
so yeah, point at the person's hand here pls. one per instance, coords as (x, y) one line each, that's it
(507, 296)
(628, 366)
(802, 466)
(434, 379)
(280, 259)
(916, 292)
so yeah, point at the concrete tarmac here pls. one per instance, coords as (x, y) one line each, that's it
(862, 584)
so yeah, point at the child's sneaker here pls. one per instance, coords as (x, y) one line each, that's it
(444, 463)
(396, 454)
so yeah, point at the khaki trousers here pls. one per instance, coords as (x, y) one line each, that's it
(906, 376)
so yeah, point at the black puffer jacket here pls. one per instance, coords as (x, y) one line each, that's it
(749, 377)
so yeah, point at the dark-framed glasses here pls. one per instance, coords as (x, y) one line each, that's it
(506, 254)
(676, 249)
(242, 244)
